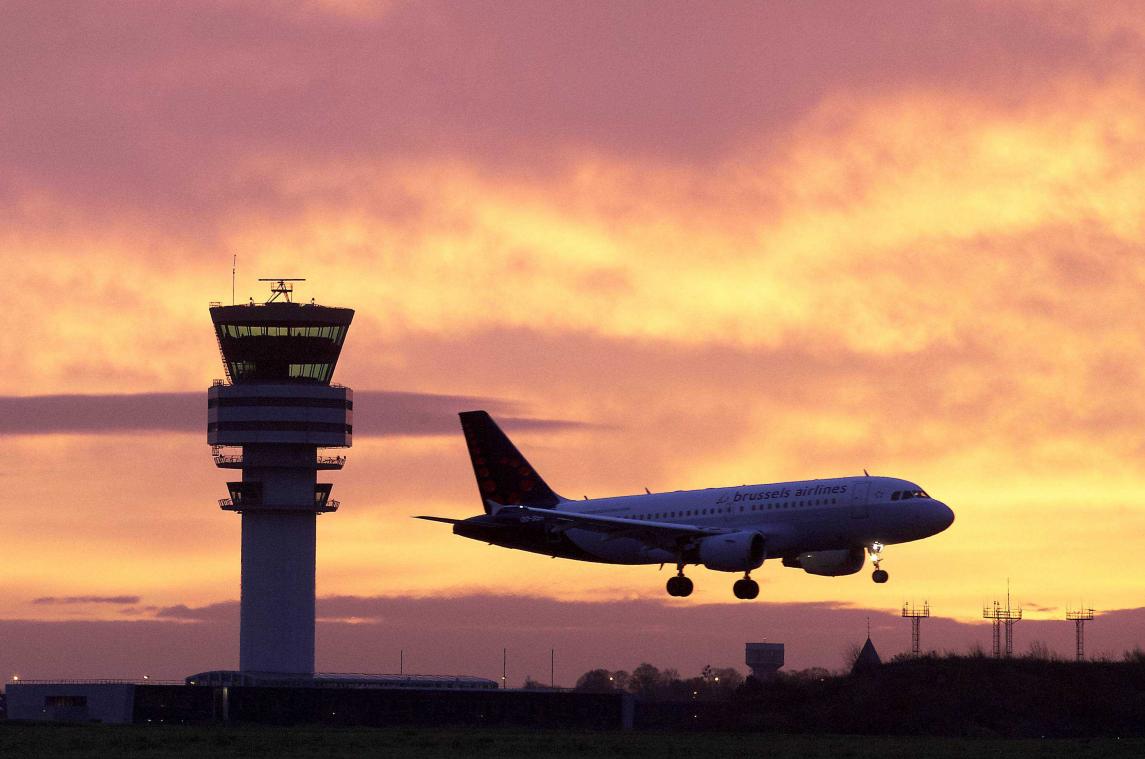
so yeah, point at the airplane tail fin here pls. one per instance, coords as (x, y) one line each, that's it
(503, 474)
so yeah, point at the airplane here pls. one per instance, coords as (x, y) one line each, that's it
(824, 527)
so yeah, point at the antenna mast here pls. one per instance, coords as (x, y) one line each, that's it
(1003, 618)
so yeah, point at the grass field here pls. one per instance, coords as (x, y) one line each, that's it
(139, 741)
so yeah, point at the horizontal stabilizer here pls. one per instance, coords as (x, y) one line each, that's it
(445, 520)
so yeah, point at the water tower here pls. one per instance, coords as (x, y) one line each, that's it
(270, 419)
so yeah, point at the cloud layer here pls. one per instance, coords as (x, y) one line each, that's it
(386, 414)
(84, 600)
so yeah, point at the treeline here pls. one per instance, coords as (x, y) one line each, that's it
(931, 695)
(653, 684)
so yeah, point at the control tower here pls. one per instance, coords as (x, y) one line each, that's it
(269, 419)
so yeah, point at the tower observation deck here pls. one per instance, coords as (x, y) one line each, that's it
(269, 419)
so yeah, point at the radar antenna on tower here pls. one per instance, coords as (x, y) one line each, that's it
(280, 287)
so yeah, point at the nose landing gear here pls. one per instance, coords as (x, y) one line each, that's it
(746, 588)
(874, 551)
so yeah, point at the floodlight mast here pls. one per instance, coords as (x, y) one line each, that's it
(1079, 617)
(915, 615)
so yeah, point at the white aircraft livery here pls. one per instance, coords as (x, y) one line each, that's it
(824, 527)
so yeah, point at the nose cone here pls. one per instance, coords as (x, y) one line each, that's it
(940, 516)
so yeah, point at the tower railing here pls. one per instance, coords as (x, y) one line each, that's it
(224, 460)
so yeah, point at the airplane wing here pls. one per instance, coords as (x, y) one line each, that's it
(665, 534)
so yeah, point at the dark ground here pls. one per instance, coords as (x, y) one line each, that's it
(144, 741)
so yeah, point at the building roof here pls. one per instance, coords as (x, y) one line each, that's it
(341, 680)
(867, 659)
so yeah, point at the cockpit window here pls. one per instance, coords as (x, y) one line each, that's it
(896, 495)
(905, 494)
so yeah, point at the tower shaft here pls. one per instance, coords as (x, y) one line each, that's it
(276, 619)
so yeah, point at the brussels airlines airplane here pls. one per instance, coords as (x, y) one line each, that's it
(823, 527)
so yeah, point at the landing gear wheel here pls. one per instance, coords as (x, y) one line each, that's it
(880, 576)
(679, 586)
(746, 589)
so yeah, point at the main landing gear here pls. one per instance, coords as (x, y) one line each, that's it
(679, 585)
(879, 575)
(745, 588)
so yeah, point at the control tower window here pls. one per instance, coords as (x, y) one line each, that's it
(242, 368)
(320, 372)
(332, 332)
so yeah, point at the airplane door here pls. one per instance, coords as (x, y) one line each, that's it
(859, 508)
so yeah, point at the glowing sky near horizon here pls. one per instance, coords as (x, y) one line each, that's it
(737, 242)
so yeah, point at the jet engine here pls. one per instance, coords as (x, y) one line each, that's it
(847, 561)
(734, 552)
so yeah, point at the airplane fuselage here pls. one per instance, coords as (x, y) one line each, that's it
(795, 517)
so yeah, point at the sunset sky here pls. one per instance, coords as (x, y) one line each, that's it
(672, 244)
